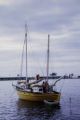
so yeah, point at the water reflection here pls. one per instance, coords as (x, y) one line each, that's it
(35, 110)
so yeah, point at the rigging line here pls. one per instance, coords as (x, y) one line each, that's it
(40, 67)
(62, 86)
(44, 66)
(38, 60)
(31, 47)
(39, 64)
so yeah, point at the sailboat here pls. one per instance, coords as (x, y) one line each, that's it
(32, 91)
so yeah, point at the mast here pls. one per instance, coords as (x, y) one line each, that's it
(26, 51)
(48, 57)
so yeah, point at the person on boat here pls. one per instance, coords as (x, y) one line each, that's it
(45, 86)
(37, 77)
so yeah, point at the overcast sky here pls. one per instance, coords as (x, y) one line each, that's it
(59, 18)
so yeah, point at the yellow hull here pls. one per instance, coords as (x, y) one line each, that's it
(29, 96)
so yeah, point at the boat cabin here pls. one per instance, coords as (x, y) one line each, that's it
(37, 89)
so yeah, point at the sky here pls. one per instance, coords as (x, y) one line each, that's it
(59, 18)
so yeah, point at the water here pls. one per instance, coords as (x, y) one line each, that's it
(11, 108)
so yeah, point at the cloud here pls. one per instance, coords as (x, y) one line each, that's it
(5, 2)
(59, 18)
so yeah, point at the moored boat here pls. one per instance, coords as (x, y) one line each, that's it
(32, 91)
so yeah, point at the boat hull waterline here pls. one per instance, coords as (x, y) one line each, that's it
(30, 96)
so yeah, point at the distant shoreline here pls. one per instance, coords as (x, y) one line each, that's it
(23, 78)
(32, 78)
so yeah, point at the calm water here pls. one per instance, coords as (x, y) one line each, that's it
(11, 108)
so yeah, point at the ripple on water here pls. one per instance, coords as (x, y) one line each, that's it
(11, 108)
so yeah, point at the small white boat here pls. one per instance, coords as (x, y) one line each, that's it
(49, 102)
